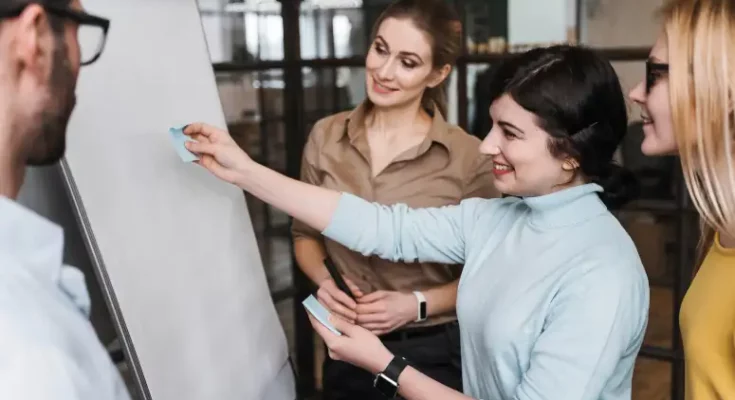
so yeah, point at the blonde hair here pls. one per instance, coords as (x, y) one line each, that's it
(701, 45)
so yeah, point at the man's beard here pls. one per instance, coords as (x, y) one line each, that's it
(51, 124)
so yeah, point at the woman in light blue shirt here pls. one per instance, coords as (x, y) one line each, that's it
(553, 299)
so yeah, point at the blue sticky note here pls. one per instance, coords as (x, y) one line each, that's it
(178, 137)
(316, 309)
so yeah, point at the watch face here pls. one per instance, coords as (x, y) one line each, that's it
(386, 386)
(423, 310)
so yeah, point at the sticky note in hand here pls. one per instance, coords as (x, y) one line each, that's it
(316, 309)
(179, 139)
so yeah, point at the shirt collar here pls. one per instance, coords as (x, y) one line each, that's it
(34, 241)
(37, 245)
(438, 132)
(566, 207)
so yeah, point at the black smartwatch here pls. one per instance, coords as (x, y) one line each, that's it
(387, 381)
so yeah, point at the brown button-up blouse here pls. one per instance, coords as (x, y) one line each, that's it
(444, 169)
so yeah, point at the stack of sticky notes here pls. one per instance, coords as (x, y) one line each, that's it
(316, 309)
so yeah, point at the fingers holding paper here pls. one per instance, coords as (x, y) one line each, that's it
(220, 155)
(356, 345)
(217, 151)
(202, 129)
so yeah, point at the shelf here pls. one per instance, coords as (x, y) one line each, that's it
(661, 207)
(612, 54)
(660, 353)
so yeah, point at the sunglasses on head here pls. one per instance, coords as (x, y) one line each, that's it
(654, 71)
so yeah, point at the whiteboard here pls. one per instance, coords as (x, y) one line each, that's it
(173, 247)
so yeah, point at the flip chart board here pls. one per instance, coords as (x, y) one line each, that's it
(173, 248)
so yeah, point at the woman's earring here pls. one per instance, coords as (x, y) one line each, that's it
(570, 165)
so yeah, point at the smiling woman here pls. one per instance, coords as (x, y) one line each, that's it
(414, 47)
(541, 144)
(396, 147)
(687, 100)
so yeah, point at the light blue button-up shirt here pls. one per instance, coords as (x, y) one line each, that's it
(48, 348)
(553, 298)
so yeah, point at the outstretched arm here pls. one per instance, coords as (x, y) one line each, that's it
(395, 233)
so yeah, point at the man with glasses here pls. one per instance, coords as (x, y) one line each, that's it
(48, 348)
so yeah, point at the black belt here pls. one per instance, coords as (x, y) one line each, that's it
(414, 333)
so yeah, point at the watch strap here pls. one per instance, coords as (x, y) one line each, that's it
(421, 306)
(386, 382)
(395, 368)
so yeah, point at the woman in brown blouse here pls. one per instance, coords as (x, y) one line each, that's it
(396, 148)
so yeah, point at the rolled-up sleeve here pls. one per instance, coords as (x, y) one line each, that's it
(309, 174)
(596, 321)
(398, 232)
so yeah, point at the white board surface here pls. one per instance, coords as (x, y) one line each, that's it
(175, 245)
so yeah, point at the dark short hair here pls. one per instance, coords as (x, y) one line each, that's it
(576, 97)
(57, 3)
(56, 23)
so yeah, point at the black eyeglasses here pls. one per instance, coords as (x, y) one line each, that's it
(92, 32)
(654, 72)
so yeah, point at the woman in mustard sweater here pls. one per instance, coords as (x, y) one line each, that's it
(687, 101)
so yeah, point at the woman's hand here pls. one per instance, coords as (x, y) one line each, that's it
(382, 312)
(337, 301)
(356, 346)
(217, 152)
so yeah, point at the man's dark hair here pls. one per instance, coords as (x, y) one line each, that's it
(57, 3)
(56, 22)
